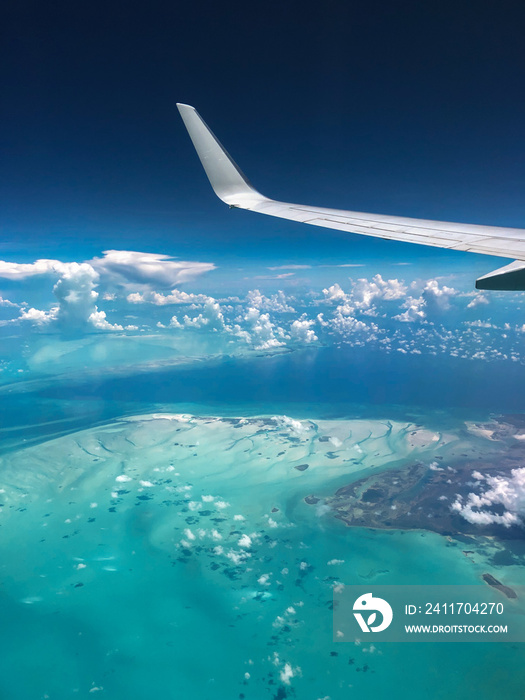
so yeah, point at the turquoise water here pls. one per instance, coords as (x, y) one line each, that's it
(171, 554)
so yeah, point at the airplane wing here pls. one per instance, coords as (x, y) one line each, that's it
(234, 189)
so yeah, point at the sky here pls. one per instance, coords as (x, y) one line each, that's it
(405, 108)
(109, 225)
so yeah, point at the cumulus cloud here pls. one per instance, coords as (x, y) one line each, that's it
(98, 320)
(210, 318)
(76, 296)
(437, 298)
(277, 302)
(366, 292)
(414, 310)
(75, 293)
(367, 311)
(259, 331)
(334, 293)
(364, 297)
(301, 331)
(503, 502)
(175, 297)
(478, 300)
(348, 325)
(295, 426)
(38, 317)
(288, 672)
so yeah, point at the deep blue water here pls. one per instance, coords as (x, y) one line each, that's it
(336, 376)
(328, 382)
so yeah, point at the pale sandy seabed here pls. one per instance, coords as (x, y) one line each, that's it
(176, 553)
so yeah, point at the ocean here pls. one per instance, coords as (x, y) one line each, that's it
(156, 542)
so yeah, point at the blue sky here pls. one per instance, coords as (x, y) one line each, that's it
(396, 108)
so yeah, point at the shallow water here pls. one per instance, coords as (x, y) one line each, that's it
(172, 555)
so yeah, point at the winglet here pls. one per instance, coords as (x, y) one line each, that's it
(227, 180)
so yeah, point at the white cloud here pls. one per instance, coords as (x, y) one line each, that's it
(365, 292)
(74, 290)
(76, 295)
(291, 267)
(300, 330)
(347, 325)
(436, 297)
(282, 276)
(334, 293)
(38, 317)
(20, 271)
(175, 297)
(150, 270)
(288, 672)
(260, 330)
(211, 318)
(174, 323)
(414, 310)
(98, 320)
(479, 324)
(477, 301)
(277, 302)
(295, 426)
(508, 492)
(237, 557)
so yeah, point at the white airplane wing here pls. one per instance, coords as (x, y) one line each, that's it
(234, 189)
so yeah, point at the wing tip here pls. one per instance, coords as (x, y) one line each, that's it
(225, 176)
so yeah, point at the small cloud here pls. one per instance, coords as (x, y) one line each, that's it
(282, 276)
(39, 317)
(478, 300)
(245, 542)
(98, 320)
